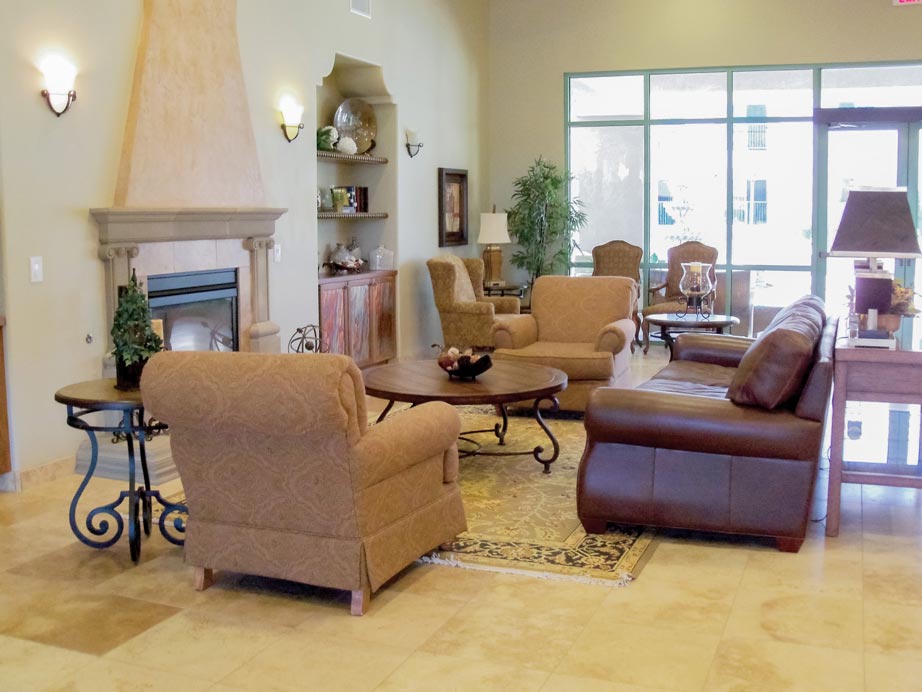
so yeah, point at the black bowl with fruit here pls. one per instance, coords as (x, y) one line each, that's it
(465, 366)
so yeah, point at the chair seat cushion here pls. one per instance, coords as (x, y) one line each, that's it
(690, 377)
(579, 360)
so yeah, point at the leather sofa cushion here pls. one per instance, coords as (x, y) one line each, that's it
(579, 360)
(772, 371)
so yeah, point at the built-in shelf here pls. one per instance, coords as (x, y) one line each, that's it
(350, 158)
(352, 215)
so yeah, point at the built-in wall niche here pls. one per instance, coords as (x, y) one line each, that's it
(376, 171)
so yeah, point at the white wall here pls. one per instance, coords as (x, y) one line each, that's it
(434, 55)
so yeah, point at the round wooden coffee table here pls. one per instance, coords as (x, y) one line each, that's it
(667, 321)
(417, 382)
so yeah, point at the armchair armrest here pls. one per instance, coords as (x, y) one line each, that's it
(615, 335)
(505, 305)
(476, 308)
(653, 289)
(517, 333)
(698, 424)
(406, 439)
(716, 349)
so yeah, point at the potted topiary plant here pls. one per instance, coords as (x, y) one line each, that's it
(542, 221)
(133, 338)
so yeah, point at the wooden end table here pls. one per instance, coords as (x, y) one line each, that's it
(670, 321)
(97, 396)
(418, 382)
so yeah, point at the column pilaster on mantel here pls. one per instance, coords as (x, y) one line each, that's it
(117, 258)
(264, 334)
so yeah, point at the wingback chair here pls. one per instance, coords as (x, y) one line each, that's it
(666, 296)
(619, 258)
(579, 324)
(467, 315)
(284, 478)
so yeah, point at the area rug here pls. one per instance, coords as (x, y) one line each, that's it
(524, 521)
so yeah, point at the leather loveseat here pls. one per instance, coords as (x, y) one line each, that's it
(725, 438)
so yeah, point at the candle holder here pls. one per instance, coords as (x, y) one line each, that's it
(697, 289)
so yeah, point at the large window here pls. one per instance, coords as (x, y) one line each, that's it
(732, 158)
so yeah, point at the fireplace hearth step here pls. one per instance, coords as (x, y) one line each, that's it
(113, 459)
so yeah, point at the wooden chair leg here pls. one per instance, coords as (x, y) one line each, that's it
(646, 336)
(203, 578)
(360, 599)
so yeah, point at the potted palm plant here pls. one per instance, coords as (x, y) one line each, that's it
(542, 221)
(133, 339)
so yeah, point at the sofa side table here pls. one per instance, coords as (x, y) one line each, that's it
(867, 374)
(97, 396)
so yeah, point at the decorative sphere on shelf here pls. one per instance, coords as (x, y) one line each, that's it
(346, 145)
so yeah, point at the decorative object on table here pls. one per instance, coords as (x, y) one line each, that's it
(381, 258)
(355, 120)
(542, 221)
(452, 207)
(493, 233)
(697, 289)
(464, 365)
(306, 339)
(355, 249)
(346, 145)
(342, 261)
(413, 143)
(133, 338)
(291, 117)
(343, 199)
(876, 222)
(327, 136)
(361, 199)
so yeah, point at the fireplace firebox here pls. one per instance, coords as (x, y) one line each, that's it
(198, 309)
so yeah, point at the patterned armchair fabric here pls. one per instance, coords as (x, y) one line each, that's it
(665, 296)
(467, 315)
(579, 324)
(284, 478)
(619, 258)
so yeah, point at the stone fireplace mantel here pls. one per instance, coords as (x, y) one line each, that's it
(164, 240)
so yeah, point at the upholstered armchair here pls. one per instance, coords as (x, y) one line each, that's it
(619, 258)
(467, 315)
(579, 324)
(284, 477)
(666, 296)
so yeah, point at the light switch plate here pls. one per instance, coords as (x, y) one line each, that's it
(36, 269)
(277, 252)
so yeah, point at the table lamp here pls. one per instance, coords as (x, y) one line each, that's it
(493, 233)
(876, 223)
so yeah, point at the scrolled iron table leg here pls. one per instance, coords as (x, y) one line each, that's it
(134, 497)
(536, 409)
(100, 527)
(499, 429)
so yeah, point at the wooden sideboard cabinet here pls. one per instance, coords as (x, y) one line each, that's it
(358, 316)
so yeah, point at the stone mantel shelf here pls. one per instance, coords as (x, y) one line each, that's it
(166, 224)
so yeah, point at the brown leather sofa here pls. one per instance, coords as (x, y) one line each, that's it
(725, 438)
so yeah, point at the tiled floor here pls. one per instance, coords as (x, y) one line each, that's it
(843, 614)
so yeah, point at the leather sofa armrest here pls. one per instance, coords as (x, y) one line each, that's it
(698, 424)
(517, 333)
(505, 305)
(476, 308)
(406, 439)
(615, 335)
(716, 349)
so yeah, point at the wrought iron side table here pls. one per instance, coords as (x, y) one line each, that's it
(96, 396)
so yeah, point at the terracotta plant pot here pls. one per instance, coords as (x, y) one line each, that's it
(889, 322)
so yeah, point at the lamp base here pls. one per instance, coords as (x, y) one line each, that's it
(493, 266)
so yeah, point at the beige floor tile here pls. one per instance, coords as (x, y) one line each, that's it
(557, 599)
(113, 676)
(196, 646)
(26, 665)
(892, 673)
(305, 661)
(899, 583)
(165, 579)
(892, 629)
(697, 557)
(830, 572)
(755, 665)
(571, 683)
(437, 581)
(422, 672)
(804, 617)
(635, 655)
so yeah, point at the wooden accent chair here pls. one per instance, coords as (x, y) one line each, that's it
(619, 258)
(579, 324)
(666, 296)
(284, 478)
(467, 315)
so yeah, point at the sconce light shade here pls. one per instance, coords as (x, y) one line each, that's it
(59, 74)
(291, 117)
(413, 143)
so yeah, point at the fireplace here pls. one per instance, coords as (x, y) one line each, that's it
(198, 309)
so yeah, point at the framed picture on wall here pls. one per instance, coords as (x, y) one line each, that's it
(452, 207)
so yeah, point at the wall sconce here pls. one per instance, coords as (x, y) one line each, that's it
(291, 117)
(59, 76)
(413, 143)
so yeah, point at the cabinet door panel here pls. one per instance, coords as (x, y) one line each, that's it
(360, 324)
(333, 318)
(384, 308)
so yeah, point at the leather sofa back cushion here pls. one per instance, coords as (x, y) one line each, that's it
(773, 370)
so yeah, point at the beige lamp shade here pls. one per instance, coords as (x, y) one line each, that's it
(493, 233)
